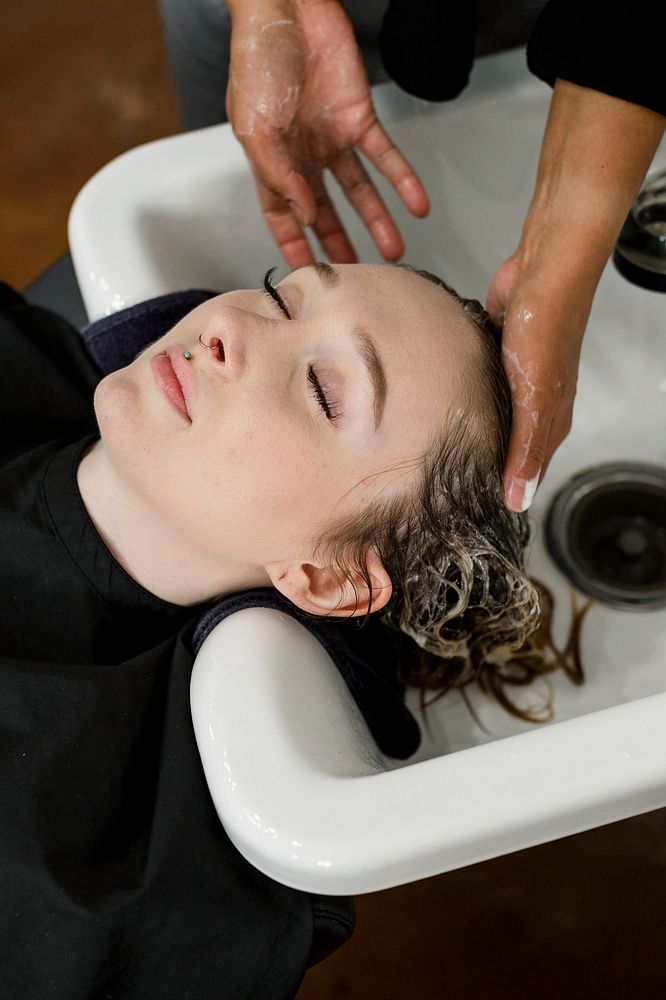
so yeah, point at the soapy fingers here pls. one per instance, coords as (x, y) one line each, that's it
(543, 323)
(299, 102)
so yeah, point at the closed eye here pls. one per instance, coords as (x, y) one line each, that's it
(273, 293)
(326, 404)
(329, 406)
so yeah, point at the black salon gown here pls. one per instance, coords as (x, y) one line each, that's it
(116, 877)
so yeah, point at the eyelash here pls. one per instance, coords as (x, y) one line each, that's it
(272, 292)
(329, 407)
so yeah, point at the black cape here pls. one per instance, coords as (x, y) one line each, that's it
(117, 879)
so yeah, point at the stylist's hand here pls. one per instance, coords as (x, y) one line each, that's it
(544, 317)
(595, 153)
(299, 102)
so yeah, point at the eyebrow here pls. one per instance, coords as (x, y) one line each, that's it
(326, 274)
(364, 344)
(368, 354)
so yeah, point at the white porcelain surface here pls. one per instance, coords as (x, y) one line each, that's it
(294, 774)
(306, 797)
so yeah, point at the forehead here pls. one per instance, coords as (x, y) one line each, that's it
(410, 318)
(395, 296)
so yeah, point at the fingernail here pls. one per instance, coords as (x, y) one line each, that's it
(521, 493)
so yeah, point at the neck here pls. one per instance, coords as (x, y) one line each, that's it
(159, 559)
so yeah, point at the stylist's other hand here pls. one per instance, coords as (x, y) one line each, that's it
(299, 102)
(595, 153)
(544, 318)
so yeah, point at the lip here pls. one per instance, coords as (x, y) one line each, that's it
(174, 380)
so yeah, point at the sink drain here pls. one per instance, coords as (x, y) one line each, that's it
(606, 530)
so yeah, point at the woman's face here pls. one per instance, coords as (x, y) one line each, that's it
(299, 417)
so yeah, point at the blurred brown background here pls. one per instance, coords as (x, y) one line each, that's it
(82, 81)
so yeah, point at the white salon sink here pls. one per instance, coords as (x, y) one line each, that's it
(302, 789)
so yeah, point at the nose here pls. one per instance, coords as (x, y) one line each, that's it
(225, 340)
(215, 345)
(235, 340)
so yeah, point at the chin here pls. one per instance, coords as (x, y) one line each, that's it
(123, 425)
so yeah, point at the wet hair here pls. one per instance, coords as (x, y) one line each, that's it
(462, 606)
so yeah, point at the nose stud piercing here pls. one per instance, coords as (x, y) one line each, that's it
(187, 355)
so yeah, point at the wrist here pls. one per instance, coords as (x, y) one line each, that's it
(572, 228)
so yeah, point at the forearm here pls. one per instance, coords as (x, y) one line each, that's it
(595, 153)
(594, 157)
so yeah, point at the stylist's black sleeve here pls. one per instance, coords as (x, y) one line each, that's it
(615, 46)
(427, 46)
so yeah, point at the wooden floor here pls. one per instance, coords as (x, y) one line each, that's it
(83, 80)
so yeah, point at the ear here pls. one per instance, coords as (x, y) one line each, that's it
(318, 590)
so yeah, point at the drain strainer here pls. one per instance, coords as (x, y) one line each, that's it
(606, 530)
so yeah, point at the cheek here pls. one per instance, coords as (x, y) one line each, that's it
(278, 472)
(261, 464)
